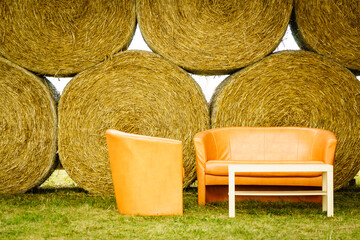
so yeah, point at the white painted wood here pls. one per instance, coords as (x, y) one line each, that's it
(330, 195)
(280, 193)
(327, 183)
(231, 193)
(276, 167)
(325, 189)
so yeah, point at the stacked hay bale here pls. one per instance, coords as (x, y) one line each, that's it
(135, 92)
(330, 28)
(182, 32)
(28, 129)
(54, 38)
(213, 37)
(64, 37)
(142, 93)
(296, 88)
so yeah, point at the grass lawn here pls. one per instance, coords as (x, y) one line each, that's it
(61, 210)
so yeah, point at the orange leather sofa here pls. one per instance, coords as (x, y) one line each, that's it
(217, 148)
(147, 174)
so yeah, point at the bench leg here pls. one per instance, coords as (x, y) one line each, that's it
(325, 189)
(328, 187)
(231, 194)
(330, 194)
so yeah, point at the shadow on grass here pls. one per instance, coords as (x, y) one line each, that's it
(44, 190)
(346, 202)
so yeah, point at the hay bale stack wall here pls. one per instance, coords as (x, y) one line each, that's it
(28, 129)
(136, 92)
(330, 28)
(296, 88)
(62, 38)
(213, 37)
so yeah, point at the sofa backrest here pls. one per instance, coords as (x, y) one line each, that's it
(273, 144)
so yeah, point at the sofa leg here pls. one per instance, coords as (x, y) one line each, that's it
(201, 194)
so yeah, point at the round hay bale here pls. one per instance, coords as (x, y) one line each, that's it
(28, 129)
(296, 88)
(136, 92)
(213, 37)
(62, 38)
(330, 28)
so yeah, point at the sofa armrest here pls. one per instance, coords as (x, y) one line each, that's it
(200, 149)
(325, 146)
(203, 142)
(330, 151)
(205, 147)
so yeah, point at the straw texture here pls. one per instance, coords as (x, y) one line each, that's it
(331, 28)
(62, 38)
(136, 92)
(28, 129)
(213, 36)
(296, 88)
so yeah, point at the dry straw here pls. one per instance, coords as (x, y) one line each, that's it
(64, 37)
(296, 88)
(28, 129)
(135, 92)
(213, 37)
(331, 28)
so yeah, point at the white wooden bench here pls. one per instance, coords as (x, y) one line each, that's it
(327, 183)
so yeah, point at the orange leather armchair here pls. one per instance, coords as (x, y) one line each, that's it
(217, 148)
(147, 174)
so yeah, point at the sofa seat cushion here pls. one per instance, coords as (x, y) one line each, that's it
(220, 168)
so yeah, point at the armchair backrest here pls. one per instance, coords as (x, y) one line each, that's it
(147, 173)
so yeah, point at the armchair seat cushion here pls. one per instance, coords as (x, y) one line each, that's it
(220, 168)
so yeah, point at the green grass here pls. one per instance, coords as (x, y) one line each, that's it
(60, 210)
